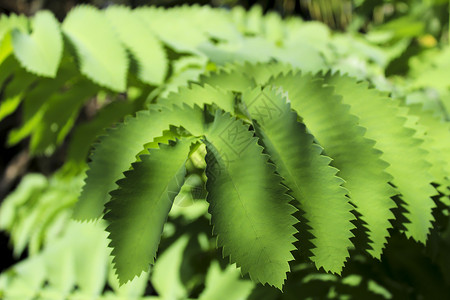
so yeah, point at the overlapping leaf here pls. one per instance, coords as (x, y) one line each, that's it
(8, 24)
(142, 43)
(200, 95)
(121, 145)
(359, 163)
(36, 102)
(14, 91)
(307, 174)
(385, 123)
(139, 207)
(250, 209)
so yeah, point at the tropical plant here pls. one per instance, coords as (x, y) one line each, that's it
(298, 162)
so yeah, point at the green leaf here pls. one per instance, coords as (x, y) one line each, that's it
(343, 140)
(36, 211)
(138, 209)
(307, 174)
(59, 115)
(225, 284)
(385, 123)
(63, 265)
(41, 51)
(102, 56)
(260, 73)
(200, 95)
(7, 24)
(167, 271)
(36, 101)
(434, 130)
(85, 134)
(16, 88)
(228, 80)
(7, 68)
(9, 213)
(144, 46)
(181, 35)
(250, 209)
(121, 145)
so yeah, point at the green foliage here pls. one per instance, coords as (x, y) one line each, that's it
(32, 51)
(248, 205)
(292, 162)
(135, 225)
(307, 174)
(97, 46)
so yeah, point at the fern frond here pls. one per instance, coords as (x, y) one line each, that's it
(337, 131)
(41, 51)
(307, 174)
(138, 209)
(102, 57)
(407, 160)
(121, 145)
(250, 209)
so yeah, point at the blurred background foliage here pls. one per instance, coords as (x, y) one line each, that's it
(401, 47)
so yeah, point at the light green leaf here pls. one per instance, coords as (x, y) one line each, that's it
(434, 131)
(166, 274)
(121, 145)
(7, 24)
(228, 80)
(102, 56)
(225, 284)
(144, 46)
(41, 51)
(200, 95)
